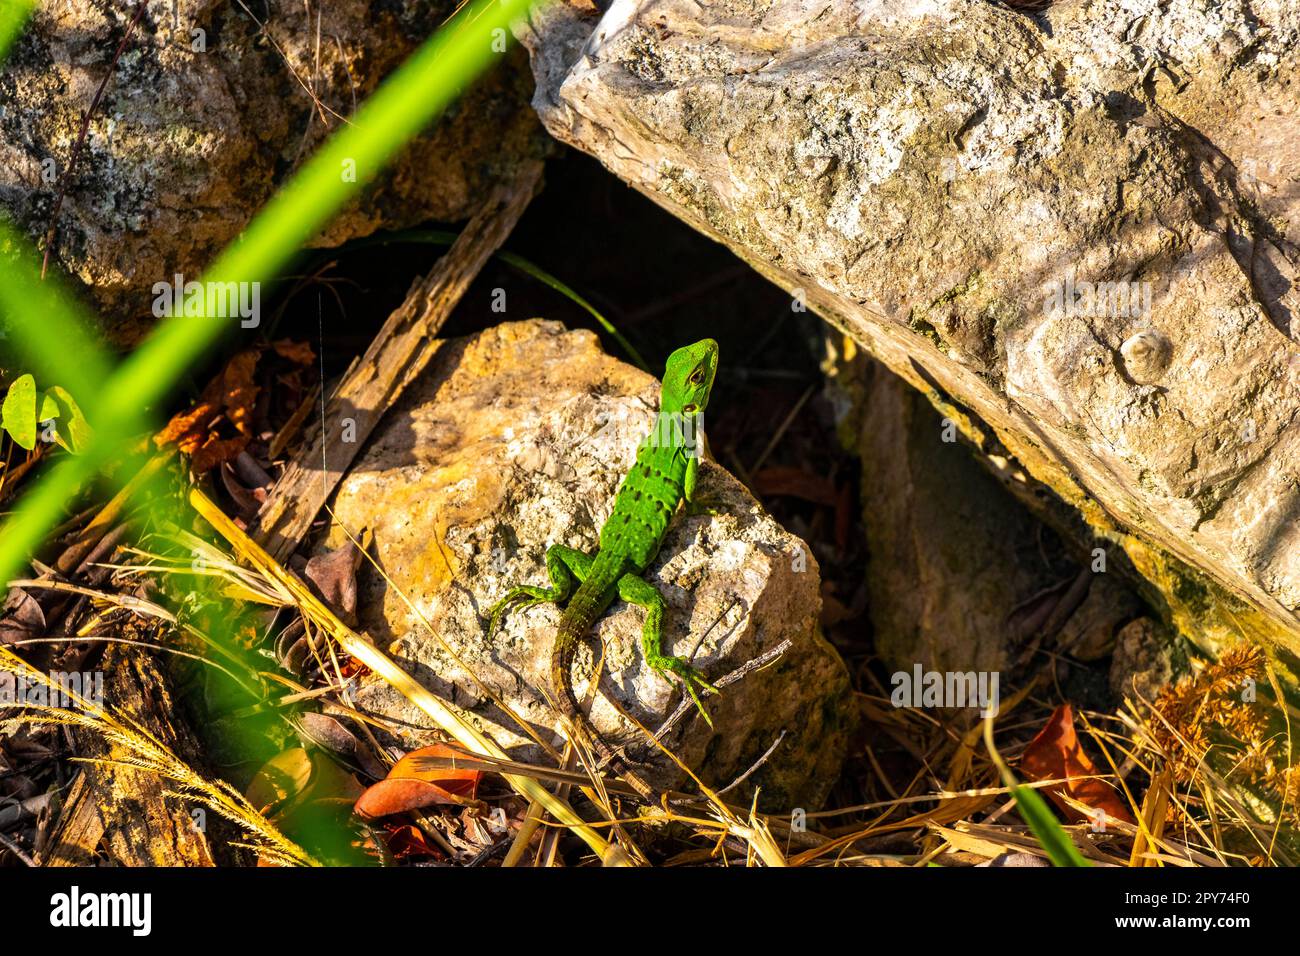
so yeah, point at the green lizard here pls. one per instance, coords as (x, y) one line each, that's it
(667, 464)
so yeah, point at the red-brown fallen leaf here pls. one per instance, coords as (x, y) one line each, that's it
(1056, 754)
(299, 352)
(350, 667)
(408, 787)
(408, 841)
(238, 391)
(797, 483)
(187, 428)
(230, 395)
(214, 451)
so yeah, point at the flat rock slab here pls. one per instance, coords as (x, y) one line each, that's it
(516, 439)
(1082, 227)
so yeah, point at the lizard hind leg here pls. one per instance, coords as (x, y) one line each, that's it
(636, 590)
(563, 566)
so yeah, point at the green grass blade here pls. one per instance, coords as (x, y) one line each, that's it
(41, 322)
(13, 17)
(409, 98)
(1049, 833)
(526, 267)
(1053, 839)
(438, 237)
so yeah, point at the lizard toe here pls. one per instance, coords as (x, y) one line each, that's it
(689, 677)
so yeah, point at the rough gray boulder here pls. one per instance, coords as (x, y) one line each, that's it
(516, 439)
(951, 553)
(1080, 228)
(210, 109)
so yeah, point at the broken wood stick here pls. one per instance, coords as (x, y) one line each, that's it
(79, 828)
(399, 352)
(131, 816)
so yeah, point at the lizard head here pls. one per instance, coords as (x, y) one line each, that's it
(688, 378)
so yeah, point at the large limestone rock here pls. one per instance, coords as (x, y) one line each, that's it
(516, 439)
(949, 182)
(211, 108)
(951, 553)
(961, 576)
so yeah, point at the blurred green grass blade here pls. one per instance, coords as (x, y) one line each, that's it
(40, 322)
(1060, 849)
(1049, 833)
(439, 237)
(413, 95)
(39, 319)
(409, 98)
(13, 17)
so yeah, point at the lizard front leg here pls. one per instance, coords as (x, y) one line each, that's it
(563, 566)
(635, 590)
(695, 506)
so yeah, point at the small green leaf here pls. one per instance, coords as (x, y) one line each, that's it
(73, 429)
(18, 416)
(49, 408)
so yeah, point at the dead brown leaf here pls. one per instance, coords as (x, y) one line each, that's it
(410, 787)
(334, 576)
(1056, 754)
(298, 352)
(797, 483)
(231, 396)
(21, 618)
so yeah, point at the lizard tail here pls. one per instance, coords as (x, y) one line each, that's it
(571, 630)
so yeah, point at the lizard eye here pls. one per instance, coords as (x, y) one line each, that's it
(697, 376)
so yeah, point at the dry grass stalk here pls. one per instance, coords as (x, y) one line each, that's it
(146, 753)
(444, 716)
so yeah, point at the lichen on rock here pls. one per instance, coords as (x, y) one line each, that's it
(211, 108)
